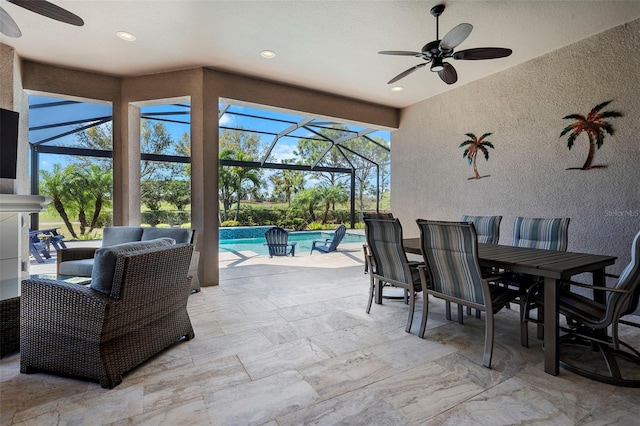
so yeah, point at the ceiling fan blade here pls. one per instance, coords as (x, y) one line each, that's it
(482, 53)
(448, 74)
(399, 52)
(457, 35)
(8, 26)
(406, 73)
(50, 10)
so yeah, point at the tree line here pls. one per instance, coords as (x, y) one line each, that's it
(81, 190)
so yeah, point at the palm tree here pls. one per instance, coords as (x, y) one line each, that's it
(595, 128)
(331, 194)
(244, 175)
(99, 184)
(475, 145)
(54, 184)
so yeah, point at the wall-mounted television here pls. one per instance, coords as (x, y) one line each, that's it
(8, 143)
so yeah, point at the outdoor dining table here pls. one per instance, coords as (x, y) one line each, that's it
(553, 266)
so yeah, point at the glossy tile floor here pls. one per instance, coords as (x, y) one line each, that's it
(287, 342)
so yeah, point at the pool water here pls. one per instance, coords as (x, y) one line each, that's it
(304, 240)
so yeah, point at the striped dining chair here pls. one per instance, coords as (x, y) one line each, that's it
(540, 233)
(389, 264)
(488, 231)
(548, 234)
(365, 248)
(487, 227)
(450, 250)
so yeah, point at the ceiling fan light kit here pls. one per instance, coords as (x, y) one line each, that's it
(437, 50)
(437, 65)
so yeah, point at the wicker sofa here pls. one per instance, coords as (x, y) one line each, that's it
(102, 331)
(78, 261)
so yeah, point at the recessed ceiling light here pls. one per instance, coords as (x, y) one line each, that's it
(397, 89)
(268, 54)
(126, 36)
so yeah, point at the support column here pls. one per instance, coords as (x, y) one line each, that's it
(126, 164)
(204, 180)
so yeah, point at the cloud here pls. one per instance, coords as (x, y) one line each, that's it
(282, 151)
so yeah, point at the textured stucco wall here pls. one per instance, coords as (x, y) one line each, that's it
(523, 108)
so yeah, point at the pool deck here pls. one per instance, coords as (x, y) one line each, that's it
(348, 254)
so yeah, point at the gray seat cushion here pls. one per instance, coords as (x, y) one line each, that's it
(181, 235)
(104, 262)
(77, 268)
(113, 235)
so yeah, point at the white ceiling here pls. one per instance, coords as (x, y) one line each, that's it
(325, 45)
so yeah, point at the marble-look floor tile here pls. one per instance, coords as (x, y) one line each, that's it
(204, 351)
(358, 408)
(95, 406)
(345, 373)
(175, 387)
(260, 401)
(425, 391)
(295, 330)
(408, 351)
(276, 359)
(510, 402)
(348, 340)
(188, 413)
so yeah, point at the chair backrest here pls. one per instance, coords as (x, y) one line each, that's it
(487, 227)
(337, 237)
(277, 239)
(377, 215)
(549, 234)
(384, 238)
(629, 280)
(450, 250)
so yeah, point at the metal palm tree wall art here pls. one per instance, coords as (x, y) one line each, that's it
(474, 145)
(594, 126)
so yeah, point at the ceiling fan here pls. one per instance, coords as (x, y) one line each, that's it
(9, 27)
(437, 50)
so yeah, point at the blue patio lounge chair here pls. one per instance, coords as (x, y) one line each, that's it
(278, 242)
(38, 248)
(330, 244)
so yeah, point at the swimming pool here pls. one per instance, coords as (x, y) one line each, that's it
(303, 239)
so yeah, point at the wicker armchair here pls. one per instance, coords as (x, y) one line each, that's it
(80, 331)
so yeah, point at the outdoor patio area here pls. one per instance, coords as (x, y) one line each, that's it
(286, 341)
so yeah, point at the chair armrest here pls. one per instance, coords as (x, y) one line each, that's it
(416, 263)
(495, 278)
(596, 287)
(76, 253)
(72, 306)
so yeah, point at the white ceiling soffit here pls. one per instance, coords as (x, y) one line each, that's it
(330, 46)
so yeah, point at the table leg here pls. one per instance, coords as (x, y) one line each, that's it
(599, 279)
(551, 330)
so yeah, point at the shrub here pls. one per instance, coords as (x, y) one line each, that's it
(316, 226)
(230, 223)
(153, 217)
(105, 219)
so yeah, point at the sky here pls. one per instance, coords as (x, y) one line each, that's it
(238, 116)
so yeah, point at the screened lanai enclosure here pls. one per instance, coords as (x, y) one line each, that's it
(307, 165)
